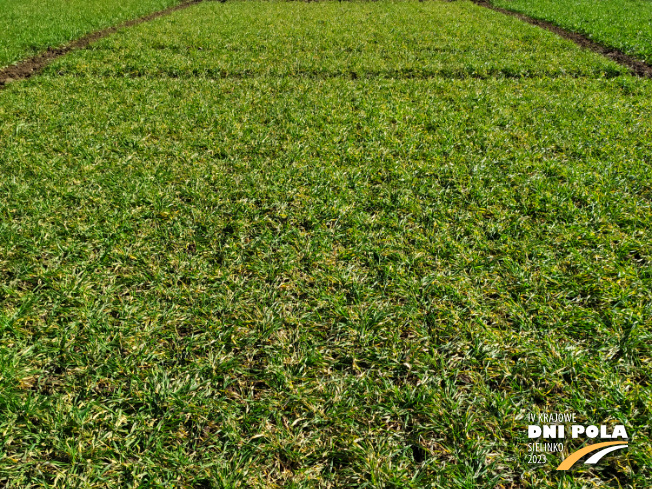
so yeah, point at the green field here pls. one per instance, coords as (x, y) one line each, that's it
(28, 27)
(265, 244)
(622, 24)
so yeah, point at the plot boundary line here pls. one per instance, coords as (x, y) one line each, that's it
(31, 66)
(636, 67)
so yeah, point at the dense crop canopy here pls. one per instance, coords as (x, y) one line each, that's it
(323, 245)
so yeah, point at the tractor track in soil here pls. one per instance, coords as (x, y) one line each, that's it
(31, 66)
(636, 67)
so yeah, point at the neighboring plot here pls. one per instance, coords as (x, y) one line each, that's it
(621, 24)
(30, 26)
(323, 42)
(268, 244)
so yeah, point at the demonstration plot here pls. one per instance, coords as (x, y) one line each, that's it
(621, 24)
(28, 27)
(239, 254)
(332, 40)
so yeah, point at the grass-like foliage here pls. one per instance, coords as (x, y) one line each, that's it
(622, 24)
(30, 26)
(323, 245)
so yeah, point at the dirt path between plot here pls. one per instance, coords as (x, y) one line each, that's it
(29, 67)
(636, 67)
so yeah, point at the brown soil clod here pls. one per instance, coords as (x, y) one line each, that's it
(29, 67)
(636, 67)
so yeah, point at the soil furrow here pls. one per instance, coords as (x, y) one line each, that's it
(637, 68)
(31, 66)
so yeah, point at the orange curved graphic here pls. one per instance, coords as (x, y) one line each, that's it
(574, 457)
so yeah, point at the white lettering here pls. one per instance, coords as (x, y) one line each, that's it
(533, 431)
(592, 431)
(549, 431)
(618, 430)
(577, 430)
(603, 432)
